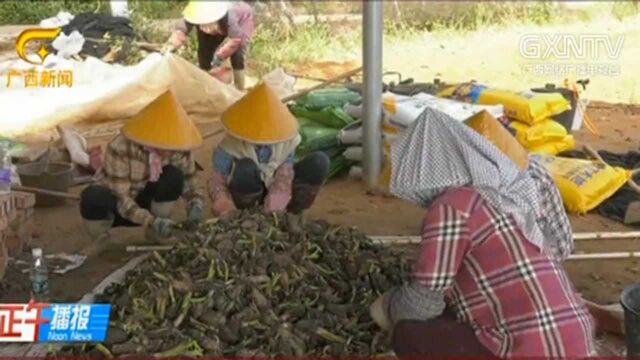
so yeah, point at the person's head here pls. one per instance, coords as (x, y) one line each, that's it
(260, 117)
(209, 16)
(164, 127)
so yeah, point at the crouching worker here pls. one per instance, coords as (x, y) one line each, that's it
(254, 163)
(224, 29)
(147, 168)
(489, 279)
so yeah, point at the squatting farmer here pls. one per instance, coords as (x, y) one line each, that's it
(254, 164)
(224, 29)
(147, 168)
(489, 279)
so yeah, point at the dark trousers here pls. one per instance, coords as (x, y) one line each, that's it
(207, 46)
(247, 189)
(98, 202)
(440, 337)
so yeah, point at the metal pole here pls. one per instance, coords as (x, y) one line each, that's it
(372, 95)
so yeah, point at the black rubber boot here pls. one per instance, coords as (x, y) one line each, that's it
(302, 197)
(247, 201)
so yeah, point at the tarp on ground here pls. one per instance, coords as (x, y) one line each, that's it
(103, 92)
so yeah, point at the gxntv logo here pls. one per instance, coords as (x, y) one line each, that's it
(570, 46)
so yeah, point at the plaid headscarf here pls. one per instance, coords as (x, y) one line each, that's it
(436, 153)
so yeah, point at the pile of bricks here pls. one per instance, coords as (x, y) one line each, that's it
(16, 225)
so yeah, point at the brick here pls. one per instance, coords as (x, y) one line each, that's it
(23, 200)
(4, 259)
(19, 233)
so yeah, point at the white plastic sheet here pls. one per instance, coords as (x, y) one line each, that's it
(62, 19)
(103, 92)
(119, 8)
(68, 45)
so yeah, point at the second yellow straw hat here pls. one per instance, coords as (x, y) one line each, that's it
(163, 124)
(260, 117)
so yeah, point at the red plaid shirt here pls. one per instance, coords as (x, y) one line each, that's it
(518, 301)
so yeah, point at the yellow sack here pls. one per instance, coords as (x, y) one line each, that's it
(526, 106)
(490, 128)
(555, 147)
(541, 133)
(584, 184)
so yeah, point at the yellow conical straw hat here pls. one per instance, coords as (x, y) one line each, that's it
(260, 117)
(163, 124)
(205, 12)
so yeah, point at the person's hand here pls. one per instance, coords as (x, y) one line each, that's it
(223, 205)
(177, 39)
(164, 227)
(217, 61)
(95, 158)
(276, 201)
(221, 73)
(380, 312)
(195, 215)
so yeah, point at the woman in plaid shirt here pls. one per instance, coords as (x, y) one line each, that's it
(146, 169)
(489, 279)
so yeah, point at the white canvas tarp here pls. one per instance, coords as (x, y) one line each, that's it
(103, 92)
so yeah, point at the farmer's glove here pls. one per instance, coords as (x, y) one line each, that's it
(164, 227)
(407, 302)
(177, 39)
(196, 214)
(217, 61)
(279, 193)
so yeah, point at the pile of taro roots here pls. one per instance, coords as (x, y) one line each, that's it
(253, 284)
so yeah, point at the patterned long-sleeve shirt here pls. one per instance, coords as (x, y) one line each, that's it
(238, 29)
(127, 172)
(519, 302)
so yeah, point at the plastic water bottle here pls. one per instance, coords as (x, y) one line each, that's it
(39, 277)
(5, 168)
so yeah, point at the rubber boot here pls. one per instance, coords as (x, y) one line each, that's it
(632, 214)
(246, 201)
(238, 79)
(302, 197)
(161, 210)
(98, 230)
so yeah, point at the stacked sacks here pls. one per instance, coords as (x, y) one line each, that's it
(321, 116)
(399, 112)
(529, 114)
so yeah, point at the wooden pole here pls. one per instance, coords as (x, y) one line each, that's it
(627, 235)
(299, 94)
(607, 235)
(323, 84)
(603, 256)
(45, 192)
(149, 248)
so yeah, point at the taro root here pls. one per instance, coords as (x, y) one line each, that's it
(115, 335)
(253, 284)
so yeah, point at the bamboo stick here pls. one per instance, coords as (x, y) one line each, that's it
(300, 93)
(45, 192)
(323, 84)
(594, 154)
(626, 235)
(396, 240)
(142, 248)
(603, 256)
